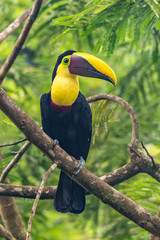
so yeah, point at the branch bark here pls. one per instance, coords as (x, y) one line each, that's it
(14, 25)
(153, 237)
(14, 228)
(26, 191)
(117, 176)
(88, 180)
(22, 37)
(12, 218)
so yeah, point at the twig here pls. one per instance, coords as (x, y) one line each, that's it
(21, 39)
(135, 124)
(148, 154)
(5, 233)
(11, 144)
(14, 25)
(37, 199)
(14, 161)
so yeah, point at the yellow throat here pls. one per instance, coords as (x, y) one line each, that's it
(65, 87)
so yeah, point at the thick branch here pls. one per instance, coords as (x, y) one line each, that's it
(3, 231)
(22, 37)
(26, 125)
(88, 180)
(153, 237)
(12, 218)
(14, 25)
(26, 191)
(113, 178)
(121, 174)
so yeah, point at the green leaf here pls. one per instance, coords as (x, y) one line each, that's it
(61, 35)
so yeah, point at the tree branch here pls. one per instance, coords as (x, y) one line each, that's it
(11, 144)
(33, 211)
(14, 25)
(121, 174)
(22, 37)
(14, 161)
(117, 176)
(144, 162)
(113, 178)
(154, 165)
(12, 218)
(153, 237)
(5, 234)
(66, 163)
(135, 124)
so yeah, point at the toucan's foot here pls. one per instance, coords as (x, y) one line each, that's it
(81, 162)
(55, 142)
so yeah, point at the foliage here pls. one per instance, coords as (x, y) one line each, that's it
(125, 34)
(119, 21)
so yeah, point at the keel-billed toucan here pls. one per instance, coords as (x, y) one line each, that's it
(66, 116)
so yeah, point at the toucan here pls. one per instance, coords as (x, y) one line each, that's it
(66, 117)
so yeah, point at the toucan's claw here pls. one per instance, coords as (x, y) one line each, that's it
(55, 142)
(81, 162)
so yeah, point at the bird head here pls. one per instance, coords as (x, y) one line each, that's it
(70, 64)
(82, 64)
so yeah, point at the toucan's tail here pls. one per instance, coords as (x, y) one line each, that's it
(70, 196)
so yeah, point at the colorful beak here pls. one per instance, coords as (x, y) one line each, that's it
(86, 65)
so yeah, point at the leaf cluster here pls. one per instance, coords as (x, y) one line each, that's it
(118, 21)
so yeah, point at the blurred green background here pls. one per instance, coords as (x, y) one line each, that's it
(126, 35)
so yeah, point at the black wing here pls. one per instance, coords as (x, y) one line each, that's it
(82, 111)
(45, 112)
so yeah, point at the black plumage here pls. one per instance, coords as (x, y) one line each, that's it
(72, 127)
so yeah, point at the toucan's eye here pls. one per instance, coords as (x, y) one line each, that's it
(66, 60)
